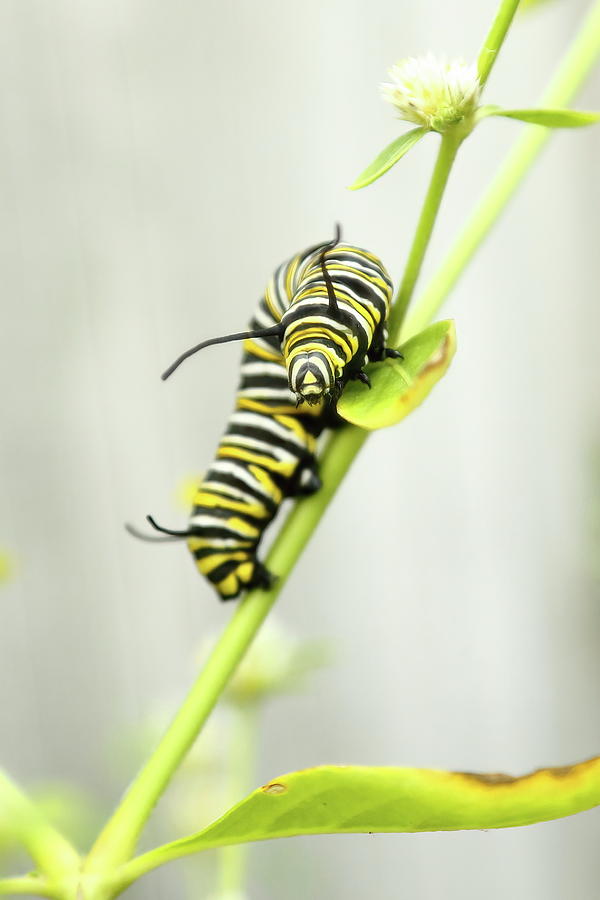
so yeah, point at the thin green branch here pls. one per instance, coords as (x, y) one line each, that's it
(449, 145)
(51, 852)
(579, 60)
(495, 39)
(25, 884)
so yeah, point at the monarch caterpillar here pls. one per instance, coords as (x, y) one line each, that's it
(322, 318)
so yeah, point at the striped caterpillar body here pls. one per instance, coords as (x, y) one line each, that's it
(322, 317)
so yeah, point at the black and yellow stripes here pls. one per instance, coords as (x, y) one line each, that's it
(262, 458)
(289, 378)
(323, 346)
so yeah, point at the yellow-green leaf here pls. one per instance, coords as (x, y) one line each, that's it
(549, 118)
(350, 799)
(388, 157)
(399, 385)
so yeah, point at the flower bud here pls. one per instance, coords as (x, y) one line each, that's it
(433, 93)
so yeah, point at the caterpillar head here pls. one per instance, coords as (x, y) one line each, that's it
(312, 377)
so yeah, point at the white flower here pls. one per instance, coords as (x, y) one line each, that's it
(432, 92)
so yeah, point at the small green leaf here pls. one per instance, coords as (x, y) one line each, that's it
(388, 157)
(400, 385)
(361, 799)
(550, 118)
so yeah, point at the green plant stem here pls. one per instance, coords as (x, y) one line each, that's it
(26, 884)
(449, 145)
(495, 39)
(574, 69)
(52, 853)
(118, 839)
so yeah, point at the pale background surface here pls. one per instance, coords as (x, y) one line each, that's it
(158, 160)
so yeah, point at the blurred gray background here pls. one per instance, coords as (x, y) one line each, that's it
(157, 161)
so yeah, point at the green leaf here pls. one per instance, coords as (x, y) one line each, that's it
(388, 158)
(361, 799)
(400, 385)
(550, 118)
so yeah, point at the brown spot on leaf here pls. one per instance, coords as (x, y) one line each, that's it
(438, 358)
(274, 787)
(490, 777)
(502, 778)
(559, 771)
